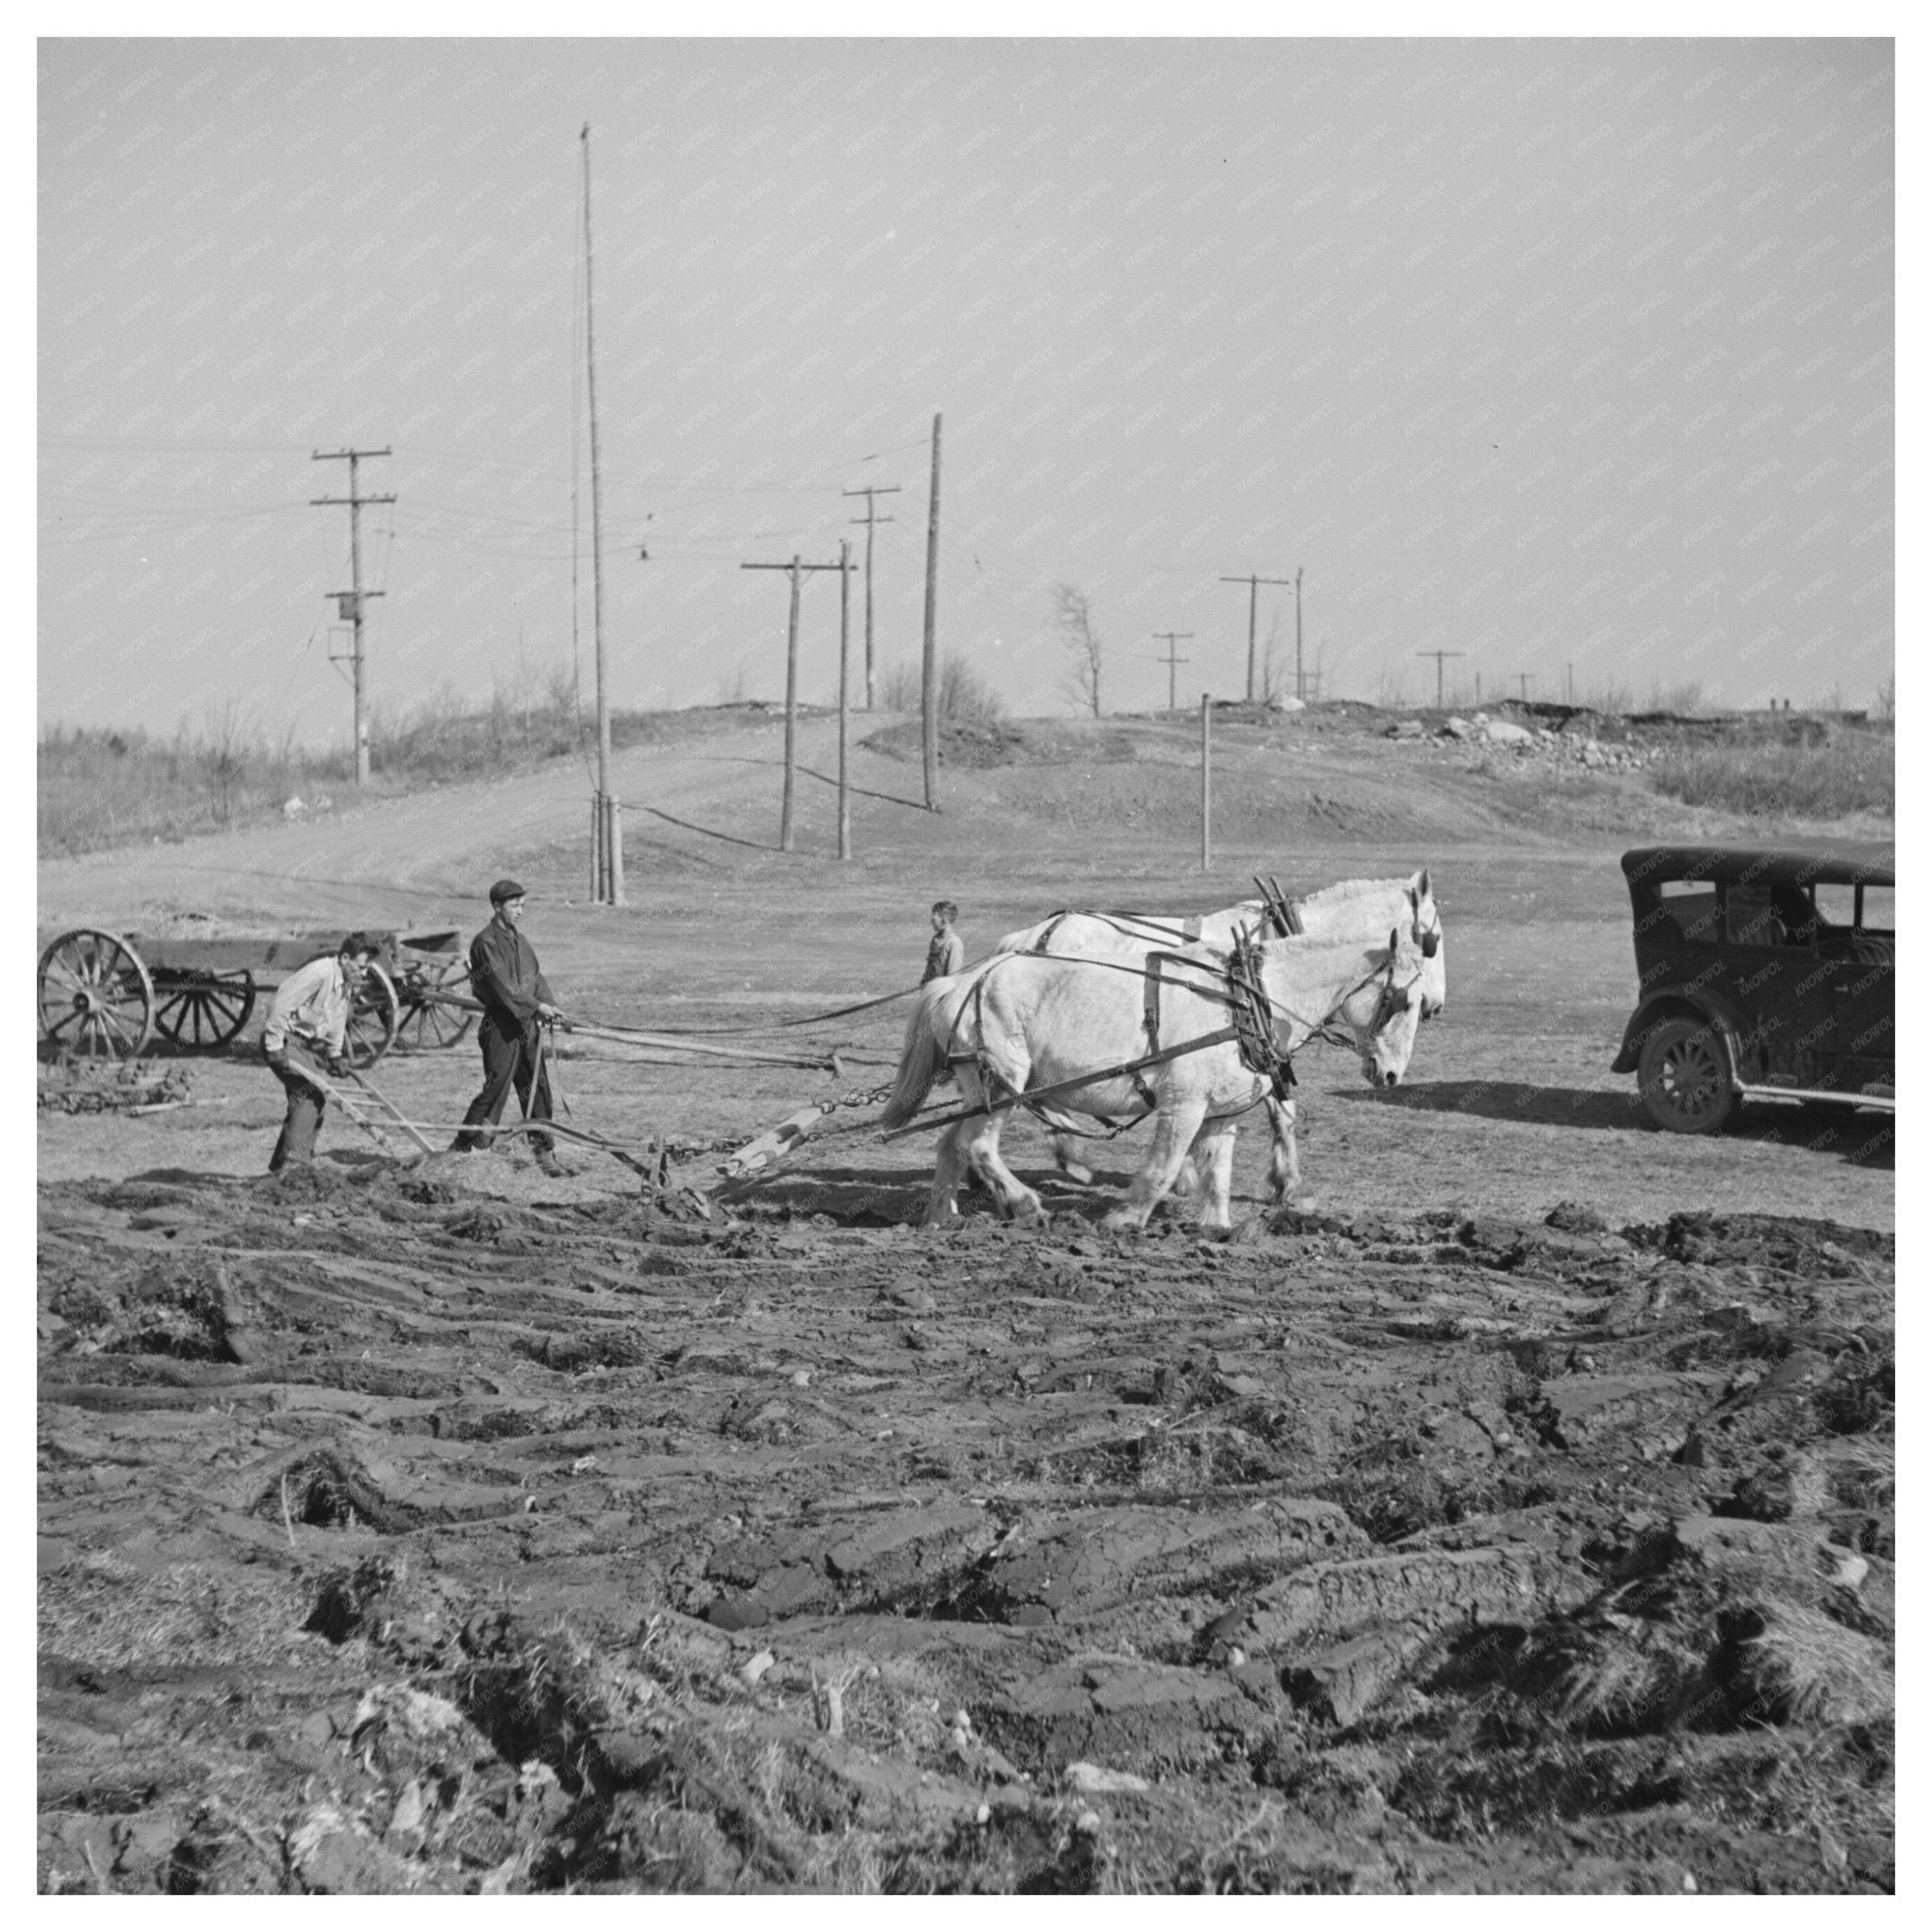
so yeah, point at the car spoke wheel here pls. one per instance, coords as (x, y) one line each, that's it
(1684, 1080)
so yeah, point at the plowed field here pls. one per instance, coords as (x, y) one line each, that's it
(1513, 1511)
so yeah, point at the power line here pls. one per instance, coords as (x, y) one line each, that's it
(1438, 656)
(870, 491)
(796, 567)
(1171, 661)
(349, 602)
(1253, 584)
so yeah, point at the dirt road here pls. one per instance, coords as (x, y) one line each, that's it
(1514, 1512)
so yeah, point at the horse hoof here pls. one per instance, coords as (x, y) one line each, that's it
(1123, 1221)
(1077, 1171)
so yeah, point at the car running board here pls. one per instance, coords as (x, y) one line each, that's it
(1881, 1098)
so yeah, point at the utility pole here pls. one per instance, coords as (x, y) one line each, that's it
(869, 492)
(1300, 688)
(606, 823)
(1170, 660)
(1253, 584)
(845, 699)
(1523, 678)
(929, 688)
(349, 601)
(1569, 684)
(1438, 656)
(1207, 786)
(791, 688)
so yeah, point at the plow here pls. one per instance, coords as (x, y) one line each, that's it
(104, 996)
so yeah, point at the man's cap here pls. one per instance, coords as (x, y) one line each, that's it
(505, 888)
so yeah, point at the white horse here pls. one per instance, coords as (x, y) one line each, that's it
(1354, 909)
(1110, 1037)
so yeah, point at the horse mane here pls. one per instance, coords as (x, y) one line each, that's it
(1353, 888)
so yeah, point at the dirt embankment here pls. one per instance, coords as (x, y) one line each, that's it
(398, 1539)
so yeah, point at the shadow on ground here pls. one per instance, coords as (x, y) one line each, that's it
(1866, 1137)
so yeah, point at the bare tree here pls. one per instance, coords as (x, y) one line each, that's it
(1073, 617)
(560, 693)
(1888, 696)
(223, 755)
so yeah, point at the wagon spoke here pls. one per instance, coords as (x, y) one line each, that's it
(94, 995)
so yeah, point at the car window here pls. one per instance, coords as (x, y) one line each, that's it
(1691, 903)
(1836, 905)
(1878, 910)
(1753, 919)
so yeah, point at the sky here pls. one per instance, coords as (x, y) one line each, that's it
(1573, 357)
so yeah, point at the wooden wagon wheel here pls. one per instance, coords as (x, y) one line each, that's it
(372, 1020)
(95, 997)
(427, 1022)
(202, 1008)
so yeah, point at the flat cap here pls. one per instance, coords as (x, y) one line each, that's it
(505, 888)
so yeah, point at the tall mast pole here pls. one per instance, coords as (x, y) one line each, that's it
(844, 697)
(790, 714)
(930, 690)
(607, 885)
(1301, 690)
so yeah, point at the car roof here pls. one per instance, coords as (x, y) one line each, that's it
(1835, 864)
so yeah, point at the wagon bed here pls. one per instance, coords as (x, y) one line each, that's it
(103, 995)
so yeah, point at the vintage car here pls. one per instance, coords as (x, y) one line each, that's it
(1760, 972)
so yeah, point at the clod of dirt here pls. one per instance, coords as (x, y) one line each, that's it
(1139, 1533)
(1576, 1217)
(327, 1489)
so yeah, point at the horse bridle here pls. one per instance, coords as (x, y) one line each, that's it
(1390, 1000)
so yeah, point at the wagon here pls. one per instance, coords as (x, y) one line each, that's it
(1762, 974)
(103, 995)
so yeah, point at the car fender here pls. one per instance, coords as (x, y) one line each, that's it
(1681, 1003)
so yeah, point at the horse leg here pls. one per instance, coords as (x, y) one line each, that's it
(1284, 1166)
(949, 1169)
(1174, 1127)
(1065, 1159)
(1213, 1159)
(981, 1144)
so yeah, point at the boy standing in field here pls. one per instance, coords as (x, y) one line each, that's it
(947, 952)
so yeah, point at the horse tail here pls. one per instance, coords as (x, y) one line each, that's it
(921, 1063)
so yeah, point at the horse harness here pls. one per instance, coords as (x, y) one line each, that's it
(1251, 1028)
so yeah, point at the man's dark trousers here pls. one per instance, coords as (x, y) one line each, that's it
(303, 1121)
(507, 1059)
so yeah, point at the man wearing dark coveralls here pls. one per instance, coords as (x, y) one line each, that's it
(516, 999)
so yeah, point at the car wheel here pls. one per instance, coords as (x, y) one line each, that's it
(1683, 1078)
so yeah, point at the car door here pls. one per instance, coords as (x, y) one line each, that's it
(1778, 981)
(1862, 983)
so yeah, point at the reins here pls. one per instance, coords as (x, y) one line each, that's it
(1252, 1031)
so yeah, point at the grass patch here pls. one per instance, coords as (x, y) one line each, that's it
(1851, 771)
(97, 789)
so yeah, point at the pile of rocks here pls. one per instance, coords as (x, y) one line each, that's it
(1575, 743)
